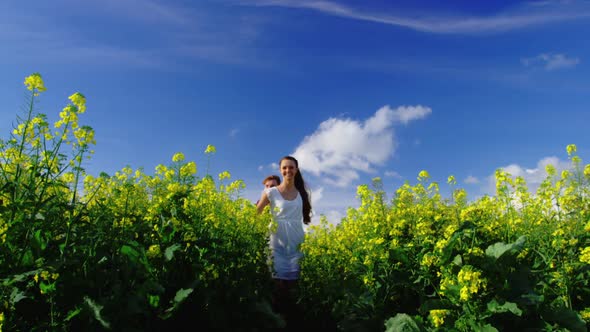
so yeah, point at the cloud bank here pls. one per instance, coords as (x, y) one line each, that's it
(342, 148)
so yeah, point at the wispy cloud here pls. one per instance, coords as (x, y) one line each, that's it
(551, 61)
(393, 174)
(148, 33)
(272, 167)
(471, 180)
(341, 148)
(519, 17)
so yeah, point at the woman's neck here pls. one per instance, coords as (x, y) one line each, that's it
(288, 184)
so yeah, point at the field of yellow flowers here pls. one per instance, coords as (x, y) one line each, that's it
(139, 252)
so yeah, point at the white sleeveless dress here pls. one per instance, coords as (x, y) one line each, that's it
(289, 234)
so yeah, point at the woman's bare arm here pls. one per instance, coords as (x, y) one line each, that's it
(262, 202)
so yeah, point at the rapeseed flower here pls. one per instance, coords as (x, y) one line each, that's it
(571, 148)
(451, 180)
(423, 175)
(153, 251)
(437, 316)
(585, 255)
(188, 169)
(224, 175)
(79, 100)
(471, 282)
(178, 157)
(35, 82)
(210, 149)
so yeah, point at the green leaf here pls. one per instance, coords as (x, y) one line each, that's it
(182, 294)
(96, 308)
(46, 288)
(130, 252)
(496, 250)
(169, 252)
(17, 295)
(19, 277)
(495, 307)
(39, 240)
(28, 258)
(72, 314)
(458, 260)
(401, 323)
(486, 328)
(154, 300)
(565, 317)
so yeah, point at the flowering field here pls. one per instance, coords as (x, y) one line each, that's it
(139, 252)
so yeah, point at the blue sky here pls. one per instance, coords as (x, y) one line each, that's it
(354, 89)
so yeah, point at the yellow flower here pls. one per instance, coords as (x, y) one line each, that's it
(428, 259)
(178, 157)
(423, 175)
(438, 317)
(587, 171)
(153, 251)
(585, 314)
(79, 100)
(464, 295)
(210, 149)
(224, 175)
(188, 169)
(451, 180)
(550, 169)
(35, 82)
(69, 177)
(571, 148)
(471, 282)
(585, 255)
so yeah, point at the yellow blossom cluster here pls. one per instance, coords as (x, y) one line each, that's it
(470, 282)
(437, 317)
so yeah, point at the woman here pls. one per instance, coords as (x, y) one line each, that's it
(291, 208)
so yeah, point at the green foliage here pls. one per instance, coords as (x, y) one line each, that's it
(510, 261)
(125, 252)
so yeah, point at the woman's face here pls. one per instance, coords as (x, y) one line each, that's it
(288, 168)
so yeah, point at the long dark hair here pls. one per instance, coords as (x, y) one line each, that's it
(300, 185)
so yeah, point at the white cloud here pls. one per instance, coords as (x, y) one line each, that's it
(341, 148)
(234, 132)
(517, 17)
(533, 176)
(272, 167)
(393, 174)
(471, 180)
(551, 61)
(316, 195)
(177, 32)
